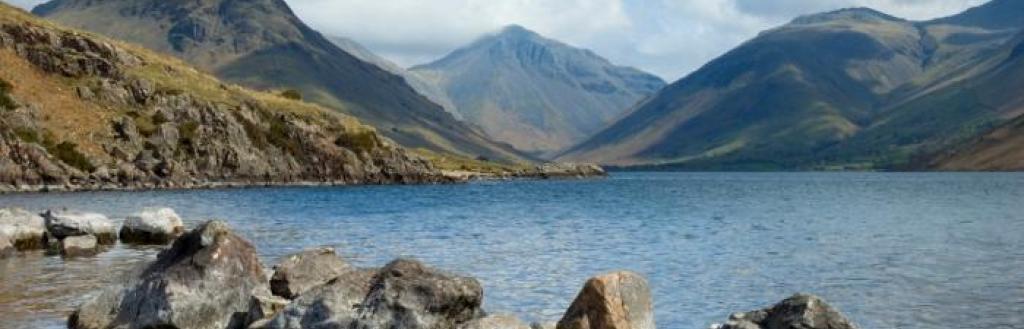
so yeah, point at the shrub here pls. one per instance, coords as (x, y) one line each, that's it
(6, 103)
(145, 125)
(358, 141)
(292, 94)
(67, 152)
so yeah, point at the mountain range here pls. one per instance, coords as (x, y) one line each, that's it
(263, 45)
(854, 88)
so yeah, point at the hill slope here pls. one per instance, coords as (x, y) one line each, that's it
(851, 88)
(537, 94)
(262, 44)
(79, 111)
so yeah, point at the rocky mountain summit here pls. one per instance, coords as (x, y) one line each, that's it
(84, 112)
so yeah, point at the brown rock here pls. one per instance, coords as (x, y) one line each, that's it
(620, 300)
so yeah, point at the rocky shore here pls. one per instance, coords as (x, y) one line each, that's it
(212, 278)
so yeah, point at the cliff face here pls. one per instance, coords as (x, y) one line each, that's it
(82, 112)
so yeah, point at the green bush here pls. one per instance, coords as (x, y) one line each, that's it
(292, 94)
(359, 141)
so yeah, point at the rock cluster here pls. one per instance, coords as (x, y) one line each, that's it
(211, 278)
(162, 137)
(76, 234)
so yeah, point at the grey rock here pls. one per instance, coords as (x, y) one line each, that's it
(63, 224)
(204, 281)
(302, 271)
(263, 307)
(79, 246)
(332, 305)
(496, 321)
(543, 325)
(152, 226)
(6, 247)
(620, 300)
(25, 230)
(800, 311)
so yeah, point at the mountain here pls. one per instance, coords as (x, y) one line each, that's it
(853, 88)
(538, 94)
(263, 45)
(79, 111)
(427, 89)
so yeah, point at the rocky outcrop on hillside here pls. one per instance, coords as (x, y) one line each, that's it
(153, 135)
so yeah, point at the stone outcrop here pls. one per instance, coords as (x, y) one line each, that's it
(204, 281)
(192, 133)
(496, 321)
(62, 224)
(25, 230)
(801, 311)
(152, 226)
(332, 305)
(79, 246)
(302, 271)
(620, 300)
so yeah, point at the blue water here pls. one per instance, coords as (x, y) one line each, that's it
(891, 250)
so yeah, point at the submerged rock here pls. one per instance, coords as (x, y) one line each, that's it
(79, 246)
(404, 294)
(6, 248)
(25, 230)
(152, 226)
(302, 271)
(497, 321)
(620, 300)
(204, 281)
(64, 224)
(801, 311)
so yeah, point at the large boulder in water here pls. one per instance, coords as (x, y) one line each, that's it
(64, 224)
(79, 246)
(404, 294)
(302, 271)
(620, 300)
(25, 230)
(152, 226)
(801, 311)
(204, 281)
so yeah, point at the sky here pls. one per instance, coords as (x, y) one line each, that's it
(669, 38)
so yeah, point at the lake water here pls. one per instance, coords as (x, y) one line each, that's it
(891, 250)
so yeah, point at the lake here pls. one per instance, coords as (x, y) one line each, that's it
(891, 250)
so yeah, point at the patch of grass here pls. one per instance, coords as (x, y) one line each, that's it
(6, 103)
(68, 153)
(292, 94)
(358, 141)
(159, 119)
(187, 132)
(255, 134)
(144, 124)
(279, 136)
(28, 135)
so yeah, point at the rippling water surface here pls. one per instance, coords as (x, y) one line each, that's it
(890, 250)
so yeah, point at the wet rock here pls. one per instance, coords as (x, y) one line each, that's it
(152, 226)
(64, 224)
(801, 311)
(544, 325)
(204, 281)
(300, 272)
(496, 321)
(620, 300)
(25, 230)
(332, 305)
(79, 246)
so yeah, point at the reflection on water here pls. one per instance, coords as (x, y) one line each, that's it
(891, 250)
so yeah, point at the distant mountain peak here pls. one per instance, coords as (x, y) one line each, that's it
(856, 14)
(995, 14)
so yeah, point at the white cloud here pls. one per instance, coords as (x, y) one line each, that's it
(667, 37)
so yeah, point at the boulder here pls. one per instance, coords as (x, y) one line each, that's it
(263, 306)
(204, 281)
(64, 224)
(152, 226)
(24, 229)
(79, 246)
(404, 294)
(302, 271)
(6, 247)
(620, 300)
(496, 321)
(332, 304)
(801, 311)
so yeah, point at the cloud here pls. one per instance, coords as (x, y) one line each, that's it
(667, 37)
